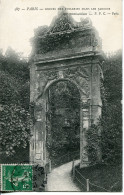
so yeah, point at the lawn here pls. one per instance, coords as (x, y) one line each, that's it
(107, 177)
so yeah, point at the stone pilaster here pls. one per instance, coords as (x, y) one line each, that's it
(84, 125)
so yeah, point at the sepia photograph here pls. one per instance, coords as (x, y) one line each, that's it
(60, 96)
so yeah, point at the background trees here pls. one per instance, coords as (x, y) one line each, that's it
(14, 106)
(110, 123)
(14, 109)
(112, 109)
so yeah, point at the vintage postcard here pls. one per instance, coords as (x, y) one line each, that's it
(60, 96)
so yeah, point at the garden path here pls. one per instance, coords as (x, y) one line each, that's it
(60, 179)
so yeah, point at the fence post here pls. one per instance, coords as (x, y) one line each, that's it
(73, 169)
(49, 166)
(68, 156)
(72, 164)
(45, 183)
(88, 189)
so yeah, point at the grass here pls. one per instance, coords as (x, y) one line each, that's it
(105, 176)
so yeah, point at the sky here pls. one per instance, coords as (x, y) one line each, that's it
(17, 27)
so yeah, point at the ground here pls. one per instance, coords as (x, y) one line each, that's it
(107, 177)
(60, 179)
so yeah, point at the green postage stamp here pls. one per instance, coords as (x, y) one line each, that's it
(16, 177)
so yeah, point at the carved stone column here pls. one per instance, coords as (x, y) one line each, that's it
(96, 103)
(84, 125)
(40, 132)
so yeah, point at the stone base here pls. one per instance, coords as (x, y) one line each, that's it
(84, 164)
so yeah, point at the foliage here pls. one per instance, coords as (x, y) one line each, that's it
(63, 114)
(94, 142)
(112, 70)
(112, 133)
(16, 66)
(14, 102)
(111, 120)
(14, 128)
(14, 110)
(55, 36)
(55, 41)
(104, 177)
(14, 77)
(8, 89)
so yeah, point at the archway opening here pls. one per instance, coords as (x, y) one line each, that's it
(62, 122)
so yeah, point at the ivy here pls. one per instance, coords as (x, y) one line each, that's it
(14, 128)
(15, 117)
(111, 120)
(63, 129)
(94, 142)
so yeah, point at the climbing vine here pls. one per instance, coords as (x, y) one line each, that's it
(14, 128)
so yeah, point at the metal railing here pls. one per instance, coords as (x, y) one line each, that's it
(85, 182)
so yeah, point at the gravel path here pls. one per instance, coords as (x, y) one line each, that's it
(60, 179)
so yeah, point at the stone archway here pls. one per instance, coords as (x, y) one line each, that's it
(62, 119)
(77, 60)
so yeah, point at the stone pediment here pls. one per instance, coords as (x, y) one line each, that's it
(66, 36)
(65, 22)
(62, 22)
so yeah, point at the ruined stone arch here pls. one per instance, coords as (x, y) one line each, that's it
(50, 83)
(69, 55)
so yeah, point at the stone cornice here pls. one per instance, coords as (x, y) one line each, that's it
(39, 61)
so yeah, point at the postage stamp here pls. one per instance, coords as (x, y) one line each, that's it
(16, 177)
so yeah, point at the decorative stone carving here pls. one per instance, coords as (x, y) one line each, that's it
(51, 74)
(81, 78)
(64, 34)
(62, 23)
(60, 74)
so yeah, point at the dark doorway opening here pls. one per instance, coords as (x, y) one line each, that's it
(63, 122)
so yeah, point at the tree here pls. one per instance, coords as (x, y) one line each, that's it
(110, 123)
(112, 109)
(112, 133)
(14, 128)
(14, 103)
